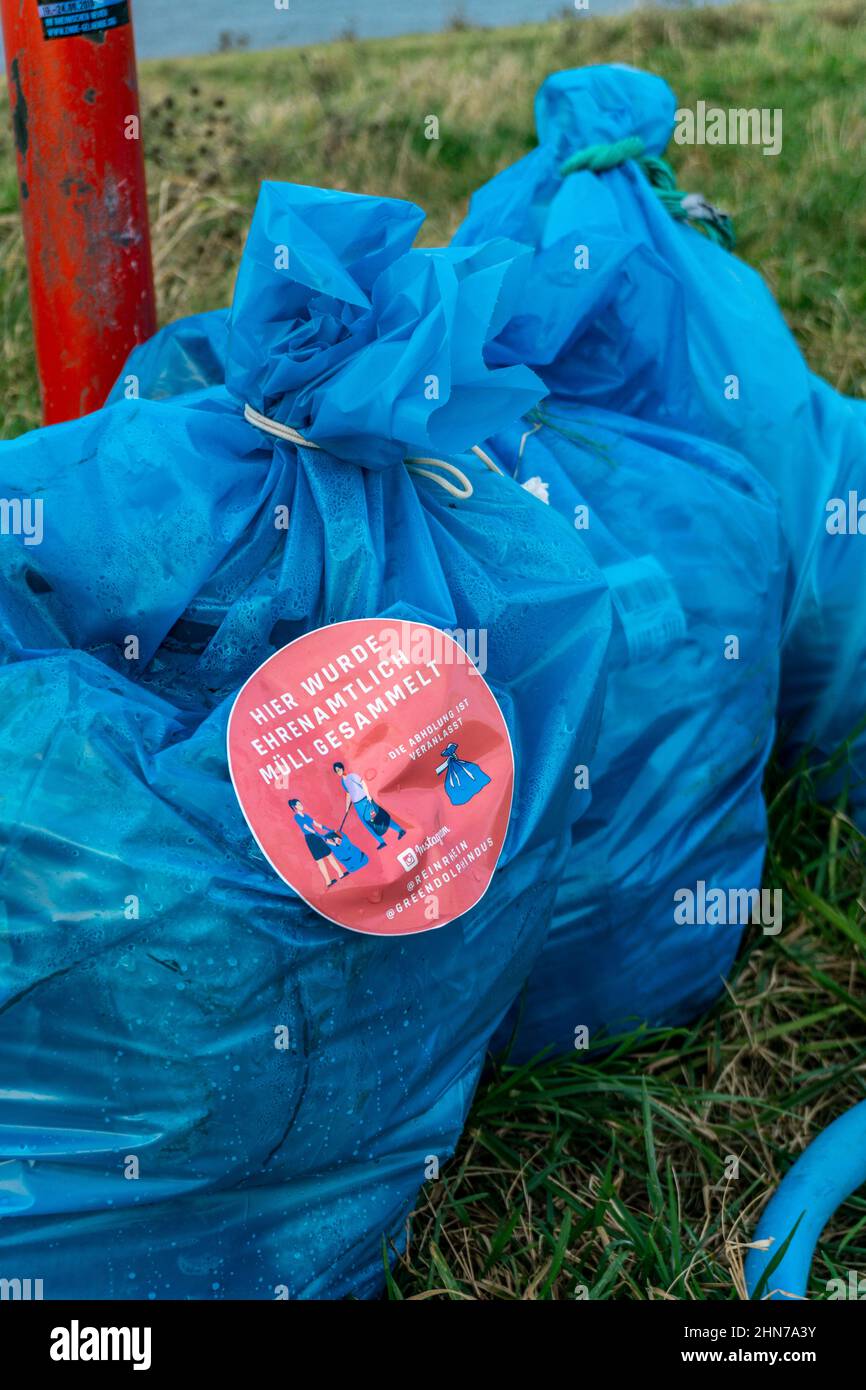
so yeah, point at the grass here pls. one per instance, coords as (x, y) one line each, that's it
(609, 1177)
(604, 1176)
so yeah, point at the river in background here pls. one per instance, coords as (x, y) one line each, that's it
(171, 28)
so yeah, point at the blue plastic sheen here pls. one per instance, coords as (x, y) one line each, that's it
(149, 956)
(665, 324)
(687, 537)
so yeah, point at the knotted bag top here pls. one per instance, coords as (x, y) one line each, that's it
(370, 349)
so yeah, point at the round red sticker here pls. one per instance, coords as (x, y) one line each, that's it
(375, 771)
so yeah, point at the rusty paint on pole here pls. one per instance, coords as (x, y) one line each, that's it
(76, 122)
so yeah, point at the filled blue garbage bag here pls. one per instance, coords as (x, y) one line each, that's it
(209, 1089)
(654, 318)
(665, 870)
(650, 913)
(667, 860)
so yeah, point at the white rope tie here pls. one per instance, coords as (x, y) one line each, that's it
(422, 466)
(464, 491)
(487, 460)
(524, 437)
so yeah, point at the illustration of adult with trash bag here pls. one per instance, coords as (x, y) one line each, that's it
(372, 816)
(462, 780)
(314, 835)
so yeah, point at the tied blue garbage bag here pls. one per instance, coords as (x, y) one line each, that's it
(665, 868)
(662, 321)
(209, 1089)
(687, 536)
(652, 907)
(667, 861)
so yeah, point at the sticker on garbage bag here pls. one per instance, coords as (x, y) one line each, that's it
(375, 770)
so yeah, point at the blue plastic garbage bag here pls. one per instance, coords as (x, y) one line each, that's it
(651, 910)
(665, 869)
(156, 1138)
(688, 537)
(663, 322)
(182, 357)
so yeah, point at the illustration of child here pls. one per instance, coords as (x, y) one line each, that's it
(314, 836)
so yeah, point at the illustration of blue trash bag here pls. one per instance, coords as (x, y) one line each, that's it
(345, 853)
(462, 780)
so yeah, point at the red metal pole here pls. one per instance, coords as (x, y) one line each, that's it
(72, 83)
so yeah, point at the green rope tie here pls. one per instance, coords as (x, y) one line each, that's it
(684, 207)
(598, 158)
